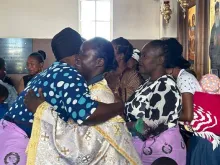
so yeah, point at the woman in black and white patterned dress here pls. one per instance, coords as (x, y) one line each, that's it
(153, 110)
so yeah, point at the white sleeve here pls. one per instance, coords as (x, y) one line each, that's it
(186, 84)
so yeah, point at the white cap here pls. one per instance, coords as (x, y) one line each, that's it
(136, 54)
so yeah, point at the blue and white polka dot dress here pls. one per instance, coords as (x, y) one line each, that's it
(64, 88)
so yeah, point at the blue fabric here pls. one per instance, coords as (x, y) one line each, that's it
(3, 110)
(64, 88)
(200, 152)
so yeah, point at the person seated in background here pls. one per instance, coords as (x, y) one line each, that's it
(7, 82)
(105, 142)
(204, 144)
(186, 82)
(152, 112)
(3, 96)
(12, 94)
(134, 60)
(35, 64)
(3, 75)
(123, 81)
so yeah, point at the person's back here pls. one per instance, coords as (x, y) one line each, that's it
(12, 94)
(186, 82)
(3, 97)
(57, 83)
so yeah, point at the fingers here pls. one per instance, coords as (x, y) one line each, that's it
(41, 95)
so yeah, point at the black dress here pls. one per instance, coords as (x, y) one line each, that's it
(26, 79)
(8, 81)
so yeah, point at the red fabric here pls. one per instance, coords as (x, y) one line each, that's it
(206, 113)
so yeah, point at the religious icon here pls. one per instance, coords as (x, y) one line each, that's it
(214, 45)
(191, 35)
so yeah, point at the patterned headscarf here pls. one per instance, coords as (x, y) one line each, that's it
(210, 83)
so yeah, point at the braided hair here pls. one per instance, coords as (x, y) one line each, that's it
(174, 58)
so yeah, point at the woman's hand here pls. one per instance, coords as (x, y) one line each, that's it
(32, 102)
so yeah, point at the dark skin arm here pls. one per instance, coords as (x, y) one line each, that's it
(187, 110)
(103, 112)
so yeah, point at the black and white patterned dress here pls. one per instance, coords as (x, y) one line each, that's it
(158, 103)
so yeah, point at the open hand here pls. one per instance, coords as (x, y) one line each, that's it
(32, 102)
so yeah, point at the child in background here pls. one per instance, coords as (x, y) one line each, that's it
(3, 96)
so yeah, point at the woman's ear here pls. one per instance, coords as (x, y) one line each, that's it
(161, 60)
(41, 66)
(100, 62)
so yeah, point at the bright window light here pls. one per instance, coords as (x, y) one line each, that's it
(95, 18)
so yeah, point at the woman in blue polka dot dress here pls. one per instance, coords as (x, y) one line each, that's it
(83, 143)
(64, 88)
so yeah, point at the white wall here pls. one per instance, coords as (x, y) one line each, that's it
(132, 19)
(36, 18)
(169, 30)
(136, 19)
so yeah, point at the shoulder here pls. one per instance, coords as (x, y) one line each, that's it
(27, 77)
(186, 78)
(164, 85)
(100, 86)
(166, 80)
(130, 72)
(187, 83)
(9, 81)
(101, 92)
(62, 71)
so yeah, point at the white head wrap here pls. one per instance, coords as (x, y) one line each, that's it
(136, 54)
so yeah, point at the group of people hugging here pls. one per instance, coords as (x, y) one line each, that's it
(107, 103)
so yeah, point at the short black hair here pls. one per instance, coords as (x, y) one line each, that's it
(161, 49)
(164, 161)
(172, 50)
(2, 63)
(3, 91)
(104, 49)
(174, 57)
(40, 56)
(124, 46)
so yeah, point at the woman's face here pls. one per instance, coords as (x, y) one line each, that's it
(148, 60)
(87, 62)
(118, 57)
(33, 66)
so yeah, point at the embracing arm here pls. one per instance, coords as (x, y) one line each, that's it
(20, 86)
(102, 112)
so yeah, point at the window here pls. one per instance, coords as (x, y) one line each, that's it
(95, 18)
